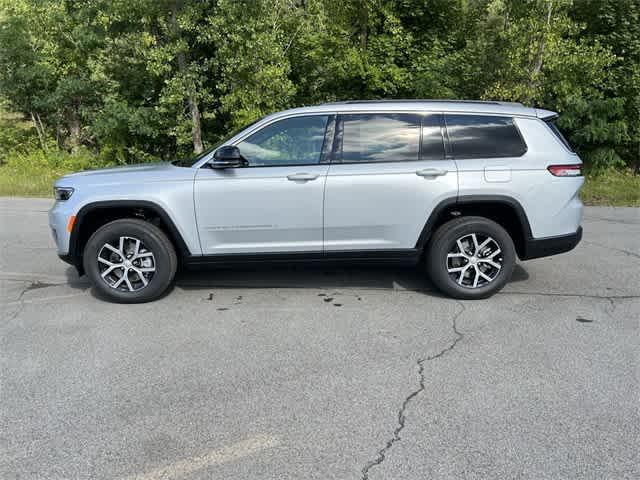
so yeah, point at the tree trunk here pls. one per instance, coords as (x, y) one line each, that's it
(74, 131)
(538, 60)
(192, 102)
(363, 33)
(364, 25)
(59, 135)
(196, 131)
(37, 123)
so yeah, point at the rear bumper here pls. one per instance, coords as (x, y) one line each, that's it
(544, 247)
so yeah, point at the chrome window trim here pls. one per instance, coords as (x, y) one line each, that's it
(270, 119)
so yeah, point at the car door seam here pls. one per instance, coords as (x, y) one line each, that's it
(324, 193)
(195, 210)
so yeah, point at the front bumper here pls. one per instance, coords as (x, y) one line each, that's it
(545, 247)
(58, 219)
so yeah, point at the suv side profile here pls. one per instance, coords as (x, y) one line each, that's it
(464, 187)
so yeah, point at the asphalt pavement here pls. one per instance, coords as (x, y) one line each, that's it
(322, 373)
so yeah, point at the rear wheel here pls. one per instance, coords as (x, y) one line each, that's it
(130, 261)
(470, 258)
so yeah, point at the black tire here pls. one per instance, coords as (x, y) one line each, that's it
(154, 241)
(444, 241)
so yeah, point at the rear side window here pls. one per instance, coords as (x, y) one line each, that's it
(379, 137)
(556, 131)
(484, 136)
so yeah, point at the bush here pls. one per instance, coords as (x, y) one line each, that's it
(16, 134)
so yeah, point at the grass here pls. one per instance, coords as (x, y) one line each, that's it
(26, 184)
(33, 174)
(610, 188)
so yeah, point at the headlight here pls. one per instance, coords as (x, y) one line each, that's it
(62, 193)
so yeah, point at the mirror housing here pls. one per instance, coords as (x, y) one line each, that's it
(227, 156)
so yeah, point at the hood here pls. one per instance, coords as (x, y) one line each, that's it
(125, 169)
(129, 174)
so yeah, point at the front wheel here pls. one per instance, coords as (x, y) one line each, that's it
(130, 261)
(470, 258)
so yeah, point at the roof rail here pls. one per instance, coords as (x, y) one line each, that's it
(408, 100)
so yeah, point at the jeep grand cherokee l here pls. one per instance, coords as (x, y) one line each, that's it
(463, 187)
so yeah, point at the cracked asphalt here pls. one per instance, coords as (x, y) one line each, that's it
(322, 373)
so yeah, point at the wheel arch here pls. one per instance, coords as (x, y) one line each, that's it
(96, 214)
(504, 210)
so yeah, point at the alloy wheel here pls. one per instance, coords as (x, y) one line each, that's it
(128, 266)
(474, 260)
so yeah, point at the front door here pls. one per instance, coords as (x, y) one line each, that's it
(274, 204)
(387, 174)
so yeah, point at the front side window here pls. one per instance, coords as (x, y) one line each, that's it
(484, 136)
(292, 141)
(380, 137)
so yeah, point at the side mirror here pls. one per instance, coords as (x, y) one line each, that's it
(227, 157)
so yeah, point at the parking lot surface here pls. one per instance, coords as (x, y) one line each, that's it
(322, 373)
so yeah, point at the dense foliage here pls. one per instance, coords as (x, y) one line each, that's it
(134, 80)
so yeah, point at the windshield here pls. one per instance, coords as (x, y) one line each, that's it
(192, 161)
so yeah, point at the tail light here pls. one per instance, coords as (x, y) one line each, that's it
(574, 170)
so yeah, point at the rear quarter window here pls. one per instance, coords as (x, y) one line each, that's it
(556, 131)
(484, 136)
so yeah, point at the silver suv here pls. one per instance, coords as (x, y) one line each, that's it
(461, 186)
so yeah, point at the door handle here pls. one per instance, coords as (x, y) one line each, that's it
(431, 172)
(302, 177)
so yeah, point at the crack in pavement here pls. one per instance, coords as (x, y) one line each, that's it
(609, 298)
(609, 220)
(20, 301)
(382, 453)
(621, 250)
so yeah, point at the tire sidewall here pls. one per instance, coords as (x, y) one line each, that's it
(444, 240)
(151, 237)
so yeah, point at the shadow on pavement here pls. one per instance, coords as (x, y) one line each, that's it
(75, 281)
(299, 276)
(317, 277)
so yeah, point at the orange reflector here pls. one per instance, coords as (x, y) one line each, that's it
(72, 220)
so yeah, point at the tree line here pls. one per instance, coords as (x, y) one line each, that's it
(135, 80)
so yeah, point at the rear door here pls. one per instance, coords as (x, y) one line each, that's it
(388, 171)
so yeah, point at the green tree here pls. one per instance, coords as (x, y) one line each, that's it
(535, 53)
(249, 64)
(136, 80)
(616, 24)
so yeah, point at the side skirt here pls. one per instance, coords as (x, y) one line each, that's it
(388, 257)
